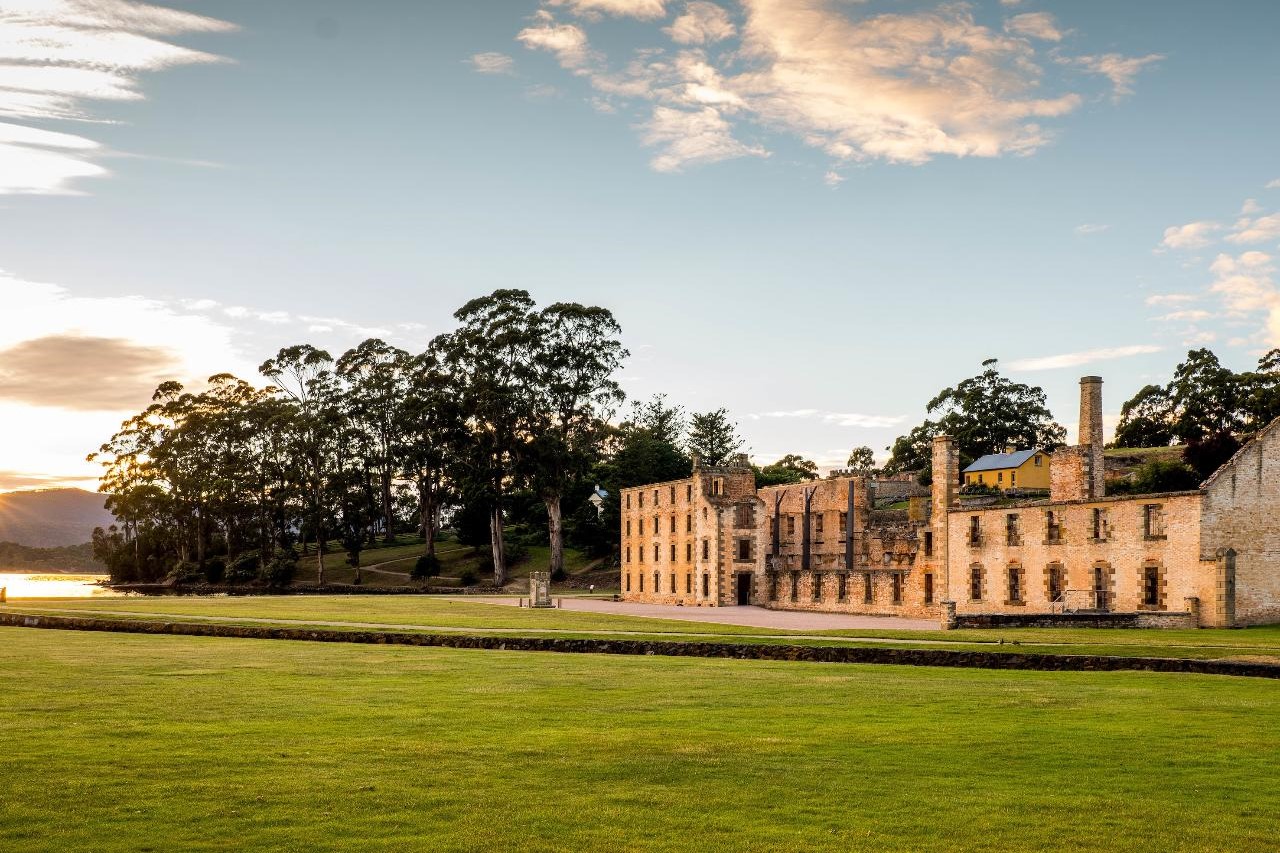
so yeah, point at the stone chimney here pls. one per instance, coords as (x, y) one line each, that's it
(946, 478)
(1079, 473)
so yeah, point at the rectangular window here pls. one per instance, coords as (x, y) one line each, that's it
(975, 583)
(628, 505)
(628, 555)
(744, 550)
(1055, 582)
(628, 527)
(655, 497)
(1012, 537)
(844, 526)
(1038, 458)
(1013, 479)
(688, 522)
(795, 586)
(688, 583)
(1153, 521)
(657, 525)
(1052, 527)
(640, 523)
(867, 591)
(999, 476)
(1101, 527)
(640, 555)
(688, 492)
(842, 586)
(655, 553)
(657, 585)
(1151, 586)
(628, 583)
(897, 588)
(706, 549)
(673, 524)
(673, 583)
(773, 586)
(1015, 585)
(642, 581)
(791, 525)
(706, 586)
(928, 543)
(744, 516)
(641, 497)
(817, 586)
(928, 588)
(975, 531)
(688, 552)
(673, 554)
(818, 519)
(673, 494)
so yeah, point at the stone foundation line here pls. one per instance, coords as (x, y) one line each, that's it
(813, 654)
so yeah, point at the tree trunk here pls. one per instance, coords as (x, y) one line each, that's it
(555, 527)
(319, 556)
(499, 552)
(427, 507)
(388, 510)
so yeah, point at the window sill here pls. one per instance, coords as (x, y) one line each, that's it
(1152, 538)
(1015, 604)
(1054, 541)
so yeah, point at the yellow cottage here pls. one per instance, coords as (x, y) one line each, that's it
(1013, 469)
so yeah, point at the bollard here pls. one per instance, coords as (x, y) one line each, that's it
(4, 594)
(559, 604)
(521, 604)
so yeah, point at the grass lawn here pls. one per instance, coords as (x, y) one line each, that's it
(130, 743)
(460, 615)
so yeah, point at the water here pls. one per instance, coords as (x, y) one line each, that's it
(22, 585)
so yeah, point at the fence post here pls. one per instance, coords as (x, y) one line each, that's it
(4, 594)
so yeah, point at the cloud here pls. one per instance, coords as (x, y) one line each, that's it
(833, 178)
(1189, 316)
(1040, 25)
(1120, 70)
(1263, 229)
(492, 62)
(1171, 298)
(56, 54)
(692, 138)
(843, 419)
(1075, 359)
(702, 23)
(1091, 228)
(567, 41)
(899, 87)
(1273, 185)
(642, 9)
(80, 372)
(1193, 235)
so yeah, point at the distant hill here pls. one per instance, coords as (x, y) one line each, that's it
(71, 558)
(51, 518)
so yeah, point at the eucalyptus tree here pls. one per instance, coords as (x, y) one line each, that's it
(492, 359)
(713, 437)
(302, 372)
(576, 394)
(431, 426)
(377, 380)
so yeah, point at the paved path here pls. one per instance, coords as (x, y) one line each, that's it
(751, 617)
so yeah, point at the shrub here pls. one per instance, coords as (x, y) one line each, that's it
(468, 577)
(185, 572)
(427, 566)
(1156, 476)
(559, 575)
(243, 570)
(280, 570)
(215, 570)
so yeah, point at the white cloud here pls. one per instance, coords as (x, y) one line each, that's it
(833, 178)
(1260, 230)
(1091, 228)
(1171, 298)
(900, 87)
(642, 9)
(1120, 70)
(1193, 235)
(567, 41)
(1188, 316)
(843, 419)
(701, 23)
(1273, 185)
(692, 138)
(1250, 207)
(492, 62)
(1040, 25)
(55, 54)
(1075, 359)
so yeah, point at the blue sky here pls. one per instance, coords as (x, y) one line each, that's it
(815, 213)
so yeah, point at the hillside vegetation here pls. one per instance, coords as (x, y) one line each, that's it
(51, 518)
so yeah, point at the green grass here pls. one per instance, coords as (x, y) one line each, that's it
(128, 743)
(396, 612)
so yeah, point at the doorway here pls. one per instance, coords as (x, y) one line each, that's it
(744, 588)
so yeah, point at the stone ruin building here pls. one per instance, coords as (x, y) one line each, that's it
(1207, 557)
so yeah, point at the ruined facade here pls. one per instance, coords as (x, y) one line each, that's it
(1208, 557)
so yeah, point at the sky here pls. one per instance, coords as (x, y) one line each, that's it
(814, 213)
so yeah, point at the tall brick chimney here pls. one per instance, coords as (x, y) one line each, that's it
(946, 477)
(1091, 433)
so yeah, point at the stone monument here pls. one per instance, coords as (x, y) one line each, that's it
(540, 589)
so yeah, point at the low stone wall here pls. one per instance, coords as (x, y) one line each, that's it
(816, 654)
(1075, 620)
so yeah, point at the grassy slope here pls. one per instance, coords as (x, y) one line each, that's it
(116, 743)
(1261, 642)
